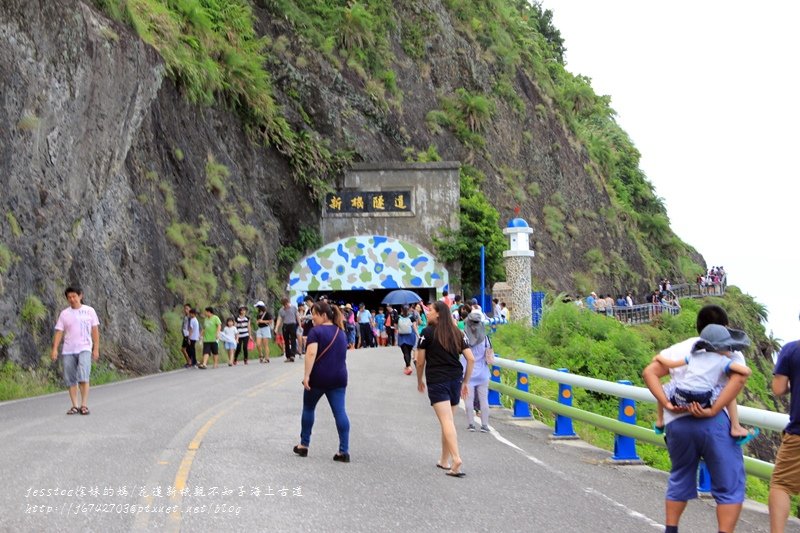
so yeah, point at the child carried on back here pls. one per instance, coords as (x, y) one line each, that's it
(704, 373)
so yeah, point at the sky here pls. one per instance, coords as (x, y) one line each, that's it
(708, 92)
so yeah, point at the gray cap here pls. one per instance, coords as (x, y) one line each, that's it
(717, 338)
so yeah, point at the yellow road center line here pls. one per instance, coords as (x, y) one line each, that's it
(182, 475)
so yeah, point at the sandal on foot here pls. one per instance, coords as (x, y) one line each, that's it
(73, 411)
(442, 467)
(84, 410)
(455, 474)
(659, 430)
(741, 441)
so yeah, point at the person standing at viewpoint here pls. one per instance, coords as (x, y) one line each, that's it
(325, 375)
(288, 319)
(785, 481)
(79, 327)
(440, 345)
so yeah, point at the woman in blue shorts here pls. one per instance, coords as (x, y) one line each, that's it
(440, 345)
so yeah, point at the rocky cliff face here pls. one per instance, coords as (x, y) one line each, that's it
(111, 179)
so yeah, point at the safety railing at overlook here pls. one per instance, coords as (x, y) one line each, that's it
(625, 428)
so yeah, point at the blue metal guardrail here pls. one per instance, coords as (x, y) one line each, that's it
(625, 428)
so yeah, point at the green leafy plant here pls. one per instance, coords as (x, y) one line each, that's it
(33, 312)
(479, 224)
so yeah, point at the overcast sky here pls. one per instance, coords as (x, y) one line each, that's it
(708, 91)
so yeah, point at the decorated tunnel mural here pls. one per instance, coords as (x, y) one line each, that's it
(367, 262)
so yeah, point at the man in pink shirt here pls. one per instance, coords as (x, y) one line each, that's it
(79, 327)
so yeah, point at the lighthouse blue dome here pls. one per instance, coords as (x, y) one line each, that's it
(517, 223)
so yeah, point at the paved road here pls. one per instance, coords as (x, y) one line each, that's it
(229, 432)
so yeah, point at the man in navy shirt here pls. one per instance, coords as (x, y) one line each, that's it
(786, 476)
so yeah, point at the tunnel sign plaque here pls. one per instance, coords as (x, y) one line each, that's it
(374, 202)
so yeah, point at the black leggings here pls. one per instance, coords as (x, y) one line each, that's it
(192, 351)
(407, 352)
(366, 334)
(290, 340)
(390, 336)
(242, 346)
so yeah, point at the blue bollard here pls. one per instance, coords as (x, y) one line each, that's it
(625, 447)
(522, 409)
(564, 423)
(703, 478)
(494, 396)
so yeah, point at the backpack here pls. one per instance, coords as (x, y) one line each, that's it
(404, 325)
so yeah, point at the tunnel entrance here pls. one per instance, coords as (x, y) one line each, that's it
(365, 268)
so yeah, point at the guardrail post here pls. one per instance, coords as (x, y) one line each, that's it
(703, 478)
(494, 396)
(625, 447)
(522, 409)
(564, 428)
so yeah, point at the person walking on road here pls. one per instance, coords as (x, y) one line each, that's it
(229, 336)
(325, 375)
(212, 327)
(79, 327)
(438, 359)
(479, 381)
(406, 336)
(244, 335)
(785, 481)
(698, 432)
(288, 319)
(263, 331)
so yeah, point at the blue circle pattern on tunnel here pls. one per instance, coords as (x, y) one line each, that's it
(367, 262)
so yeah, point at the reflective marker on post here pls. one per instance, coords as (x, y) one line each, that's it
(494, 396)
(625, 447)
(564, 423)
(522, 409)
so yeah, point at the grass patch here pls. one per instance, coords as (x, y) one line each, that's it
(16, 230)
(28, 122)
(33, 312)
(6, 258)
(216, 174)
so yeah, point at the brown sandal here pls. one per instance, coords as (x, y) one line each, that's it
(73, 411)
(84, 410)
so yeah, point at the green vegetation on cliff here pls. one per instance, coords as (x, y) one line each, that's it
(593, 345)
(211, 49)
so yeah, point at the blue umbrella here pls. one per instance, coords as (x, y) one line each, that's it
(401, 297)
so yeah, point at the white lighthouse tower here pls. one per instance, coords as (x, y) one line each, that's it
(518, 259)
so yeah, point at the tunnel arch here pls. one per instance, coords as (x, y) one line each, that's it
(367, 263)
